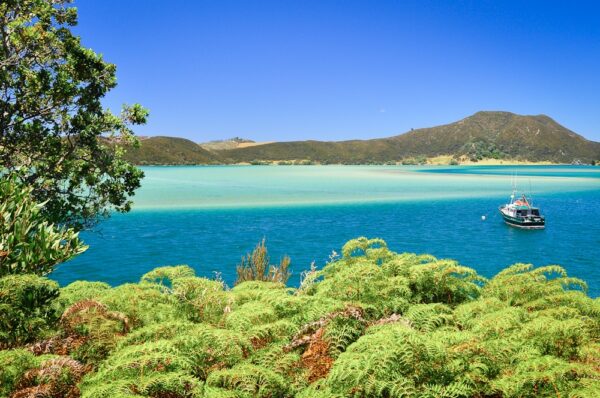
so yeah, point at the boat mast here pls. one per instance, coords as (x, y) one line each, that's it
(514, 187)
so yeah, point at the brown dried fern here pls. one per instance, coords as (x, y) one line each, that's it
(72, 316)
(57, 345)
(394, 318)
(308, 332)
(49, 379)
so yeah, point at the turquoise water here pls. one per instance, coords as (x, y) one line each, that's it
(208, 217)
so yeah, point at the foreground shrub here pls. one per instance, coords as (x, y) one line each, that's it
(372, 323)
(13, 365)
(26, 310)
(29, 243)
(149, 369)
(55, 377)
(249, 380)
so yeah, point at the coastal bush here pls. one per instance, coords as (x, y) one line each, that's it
(28, 242)
(79, 291)
(96, 328)
(304, 162)
(419, 160)
(13, 366)
(201, 299)
(198, 299)
(148, 369)
(371, 323)
(259, 162)
(142, 303)
(247, 380)
(54, 377)
(478, 150)
(26, 308)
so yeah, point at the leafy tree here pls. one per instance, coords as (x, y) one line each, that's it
(53, 128)
(478, 150)
(29, 243)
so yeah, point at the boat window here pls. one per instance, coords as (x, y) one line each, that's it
(535, 212)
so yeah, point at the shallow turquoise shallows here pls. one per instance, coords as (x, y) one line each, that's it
(208, 217)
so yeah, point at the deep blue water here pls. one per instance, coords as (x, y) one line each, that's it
(583, 171)
(213, 240)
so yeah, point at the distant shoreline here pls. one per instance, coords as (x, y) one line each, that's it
(445, 160)
(435, 161)
(484, 138)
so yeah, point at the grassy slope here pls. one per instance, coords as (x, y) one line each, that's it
(170, 150)
(534, 138)
(524, 138)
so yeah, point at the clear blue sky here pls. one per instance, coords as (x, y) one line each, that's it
(331, 70)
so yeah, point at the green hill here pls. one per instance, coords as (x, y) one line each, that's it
(485, 134)
(501, 135)
(534, 138)
(169, 150)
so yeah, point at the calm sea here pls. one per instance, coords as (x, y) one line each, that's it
(208, 217)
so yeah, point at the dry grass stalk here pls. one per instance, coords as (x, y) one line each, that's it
(256, 266)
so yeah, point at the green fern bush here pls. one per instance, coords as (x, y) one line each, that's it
(26, 308)
(13, 366)
(247, 380)
(372, 323)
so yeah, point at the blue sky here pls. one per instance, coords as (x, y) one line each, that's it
(332, 70)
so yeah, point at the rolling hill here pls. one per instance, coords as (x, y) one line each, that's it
(170, 151)
(231, 143)
(501, 135)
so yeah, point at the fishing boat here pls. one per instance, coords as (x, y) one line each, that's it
(521, 213)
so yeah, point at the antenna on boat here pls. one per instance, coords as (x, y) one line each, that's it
(514, 187)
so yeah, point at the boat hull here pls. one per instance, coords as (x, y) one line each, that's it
(523, 223)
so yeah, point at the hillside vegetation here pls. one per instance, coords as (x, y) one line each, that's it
(169, 151)
(232, 143)
(372, 323)
(484, 135)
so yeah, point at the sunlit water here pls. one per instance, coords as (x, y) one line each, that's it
(208, 217)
